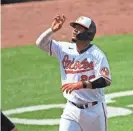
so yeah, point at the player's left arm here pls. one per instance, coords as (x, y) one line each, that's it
(102, 70)
(102, 74)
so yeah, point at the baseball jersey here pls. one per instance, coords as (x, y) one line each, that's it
(75, 66)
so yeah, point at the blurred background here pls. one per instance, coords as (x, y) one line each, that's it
(23, 22)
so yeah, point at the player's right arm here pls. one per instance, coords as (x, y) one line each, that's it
(44, 41)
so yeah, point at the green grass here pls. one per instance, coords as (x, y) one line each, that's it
(124, 123)
(37, 128)
(31, 77)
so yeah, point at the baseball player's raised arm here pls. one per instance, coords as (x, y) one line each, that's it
(44, 40)
(45, 43)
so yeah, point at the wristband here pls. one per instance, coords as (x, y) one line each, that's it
(84, 84)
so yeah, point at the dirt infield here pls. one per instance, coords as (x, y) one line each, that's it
(22, 23)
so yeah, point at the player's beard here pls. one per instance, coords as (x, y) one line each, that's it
(74, 39)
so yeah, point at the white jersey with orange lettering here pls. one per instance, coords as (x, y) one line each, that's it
(75, 66)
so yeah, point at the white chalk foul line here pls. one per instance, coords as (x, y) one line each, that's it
(33, 108)
(109, 97)
(130, 105)
(112, 111)
(35, 121)
(117, 111)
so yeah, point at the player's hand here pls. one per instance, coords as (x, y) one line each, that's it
(58, 22)
(72, 86)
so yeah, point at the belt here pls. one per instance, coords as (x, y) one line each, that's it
(84, 105)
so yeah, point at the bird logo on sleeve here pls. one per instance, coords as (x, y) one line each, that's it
(104, 71)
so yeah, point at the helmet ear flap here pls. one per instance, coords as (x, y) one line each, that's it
(83, 36)
(92, 31)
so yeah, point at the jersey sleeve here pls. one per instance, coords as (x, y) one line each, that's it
(45, 43)
(101, 68)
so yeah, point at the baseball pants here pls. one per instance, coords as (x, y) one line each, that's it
(93, 118)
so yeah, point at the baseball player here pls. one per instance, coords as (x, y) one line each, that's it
(84, 74)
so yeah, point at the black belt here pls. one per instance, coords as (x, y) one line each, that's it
(85, 105)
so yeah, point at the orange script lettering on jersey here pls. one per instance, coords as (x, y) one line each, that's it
(72, 66)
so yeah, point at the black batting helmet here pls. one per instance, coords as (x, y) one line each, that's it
(89, 24)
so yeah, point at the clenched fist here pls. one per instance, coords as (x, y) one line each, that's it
(58, 22)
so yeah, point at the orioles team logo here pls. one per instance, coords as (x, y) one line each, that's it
(104, 71)
(73, 66)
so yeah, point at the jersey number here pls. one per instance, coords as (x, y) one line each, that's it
(86, 78)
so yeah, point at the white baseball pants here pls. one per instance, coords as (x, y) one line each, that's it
(93, 118)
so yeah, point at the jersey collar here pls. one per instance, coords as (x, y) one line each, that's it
(84, 50)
